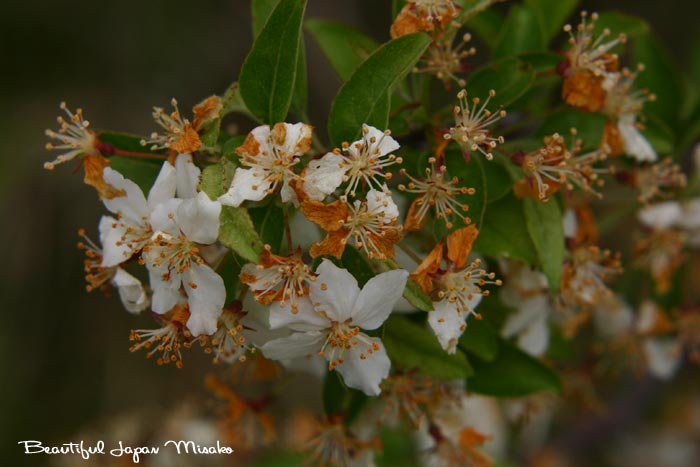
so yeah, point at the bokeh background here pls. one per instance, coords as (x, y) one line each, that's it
(64, 360)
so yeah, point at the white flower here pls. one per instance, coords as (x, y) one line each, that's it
(169, 230)
(328, 322)
(527, 290)
(663, 354)
(270, 154)
(363, 161)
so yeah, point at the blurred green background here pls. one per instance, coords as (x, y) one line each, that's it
(64, 356)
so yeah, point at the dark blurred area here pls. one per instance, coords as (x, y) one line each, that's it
(63, 352)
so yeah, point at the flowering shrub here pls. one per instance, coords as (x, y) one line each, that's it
(456, 235)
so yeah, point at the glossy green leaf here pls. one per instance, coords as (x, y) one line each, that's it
(510, 78)
(261, 10)
(621, 23)
(471, 8)
(141, 171)
(269, 73)
(486, 26)
(541, 62)
(661, 77)
(521, 33)
(589, 126)
(340, 399)
(344, 47)
(230, 146)
(357, 264)
(512, 373)
(230, 271)
(544, 222)
(480, 339)
(357, 100)
(216, 178)
(269, 221)
(552, 14)
(411, 345)
(237, 232)
(504, 231)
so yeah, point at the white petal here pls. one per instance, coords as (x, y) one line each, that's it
(206, 295)
(132, 206)
(570, 223)
(187, 176)
(114, 251)
(162, 218)
(335, 291)
(529, 310)
(166, 294)
(306, 318)
(377, 298)
(198, 218)
(131, 291)
(535, 339)
(691, 214)
(661, 215)
(613, 318)
(447, 324)
(247, 184)
(323, 176)
(295, 133)
(365, 374)
(663, 357)
(298, 344)
(381, 204)
(287, 193)
(635, 143)
(164, 187)
(383, 144)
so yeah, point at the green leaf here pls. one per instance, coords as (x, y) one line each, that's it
(230, 146)
(139, 171)
(480, 339)
(216, 178)
(233, 102)
(471, 8)
(620, 23)
(512, 373)
(589, 126)
(661, 77)
(126, 142)
(334, 392)
(398, 449)
(552, 14)
(357, 265)
(230, 271)
(510, 78)
(237, 232)
(504, 231)
(269, 221)
(412, 293)
(261, 10)
(541, 62)
(411, 345)
(544, 222)
(343, 46)
(268, 75)
(357, 100)
(521, 33)
(486, 25)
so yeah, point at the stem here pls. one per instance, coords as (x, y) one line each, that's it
(410, 252)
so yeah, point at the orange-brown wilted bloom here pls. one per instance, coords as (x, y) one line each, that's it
(278, 278)
(423, 16)
(407, 395)
(661, 253)
(656, 181)
(370, 223)
(462, 451)
(180, 134)
(436, 191)
(457, 289)
(334, 444)
(228, 343)
(246, 423)
(445, 60)
(169, 340)
(553, 166)
(471, 125)
(79, 140)
(584, 277)
(588, 61)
